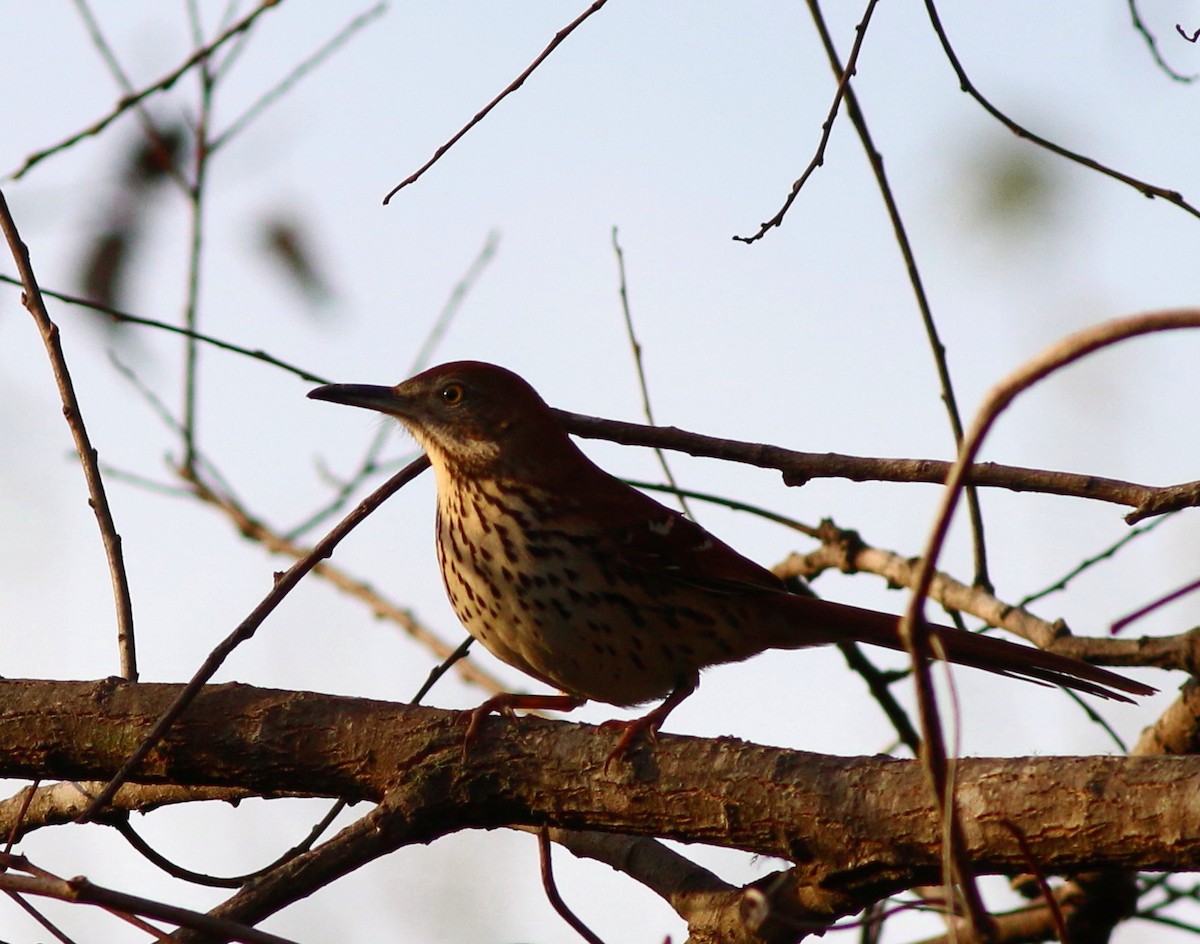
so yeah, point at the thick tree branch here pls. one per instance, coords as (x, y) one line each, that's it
(850, 824)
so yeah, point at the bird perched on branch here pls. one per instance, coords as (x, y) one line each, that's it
(590, 586)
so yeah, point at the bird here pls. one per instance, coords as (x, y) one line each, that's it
(590, 586)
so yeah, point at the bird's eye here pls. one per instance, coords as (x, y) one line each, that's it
(451, 394)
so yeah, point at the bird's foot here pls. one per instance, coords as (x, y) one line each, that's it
(649, 723)
(644, 727)
(507, 703)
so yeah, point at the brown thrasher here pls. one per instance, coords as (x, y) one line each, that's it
(590, 586)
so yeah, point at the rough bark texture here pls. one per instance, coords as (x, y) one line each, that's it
(856, 827)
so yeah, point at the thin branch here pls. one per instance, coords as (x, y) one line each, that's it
(88, 456)
(450, 309)
(799, 468)
(370, 464)
(879, 684)
(436, 673)
(164, 414)
(39, 918)
(636, 347)
(731, 503)
(196, 205)
(1190, 587)
(131, 101)
(123, 317)
(915, 632)
(1089, 562)
(1065, 352)
(1056, 915)
(292, 78)
(855, 113)
(378, 833)
(236, 49)
(1144, 188)
(516, 84)
(80, 890)
(18, 820)
(551, 889)
(1152, 43)
(284, 584)
(122, 79)
(818, 158)
(255, 530)
(152, 855)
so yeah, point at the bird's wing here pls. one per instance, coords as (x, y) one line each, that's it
(646, 535)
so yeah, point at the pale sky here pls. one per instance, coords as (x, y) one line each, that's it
(681, 125)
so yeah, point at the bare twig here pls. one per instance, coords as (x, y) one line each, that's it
(370, 464)
(88, 456)
(936, 348)
(122, 79)
(636, 347)
(81, 891)
(1088, 563)
(40, 918)
(376, 834)
(818, 158)
(123, 317)
(436, 673)
(1190, 587)
(160, 861)
(731, 503)
(131, 101)
(879, 684)
(1140, 27)
(284, 584)
(191, 311)
(462, 288)
(299, 72)
(798, 468)
(1056, 915)
(1065, 352)
(1144, 188)
(551, 889)
(516, 84)
(255, 530)
(920, 642)
(18, 820)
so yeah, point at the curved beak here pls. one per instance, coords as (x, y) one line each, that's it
(368, 396)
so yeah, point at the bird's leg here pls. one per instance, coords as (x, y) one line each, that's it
(650, 722)
(506, 702)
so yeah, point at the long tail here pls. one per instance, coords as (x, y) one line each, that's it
(825, 621)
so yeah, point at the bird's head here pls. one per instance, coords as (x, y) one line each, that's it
(467, 415)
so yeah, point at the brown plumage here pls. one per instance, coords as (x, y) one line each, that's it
(590, 586)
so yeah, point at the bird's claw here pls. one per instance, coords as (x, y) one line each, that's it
(646, 727)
